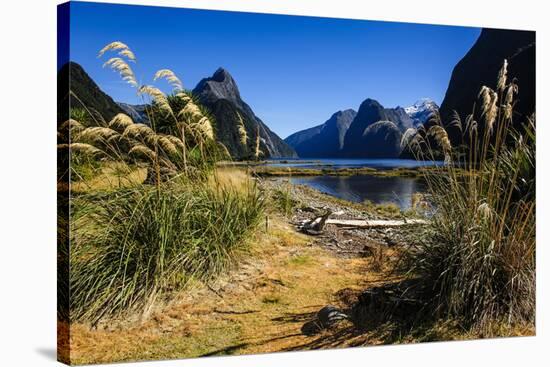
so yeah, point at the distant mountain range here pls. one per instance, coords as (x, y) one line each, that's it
(373, 131)
(218, 93)
(325, 140)
(376, 131)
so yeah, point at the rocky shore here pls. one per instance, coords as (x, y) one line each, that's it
(344, 240)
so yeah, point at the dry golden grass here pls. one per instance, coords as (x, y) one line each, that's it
(259, 307)
(113, 175)
(231, 178)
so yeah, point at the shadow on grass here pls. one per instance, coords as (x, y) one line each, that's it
(383, 314)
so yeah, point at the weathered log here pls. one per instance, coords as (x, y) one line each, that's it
(315, 226)
(357, 223)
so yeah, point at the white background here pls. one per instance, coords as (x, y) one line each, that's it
(27, 181)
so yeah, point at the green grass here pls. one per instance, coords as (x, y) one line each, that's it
(283, 200)
(131, 246)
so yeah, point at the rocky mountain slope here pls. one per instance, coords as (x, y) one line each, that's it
(135, 111)
(221, 96)
(325, 140)
(86, 93)
(379, 141)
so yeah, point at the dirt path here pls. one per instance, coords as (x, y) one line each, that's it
(259, 307)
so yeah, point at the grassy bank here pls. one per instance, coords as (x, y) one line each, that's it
(130, 247)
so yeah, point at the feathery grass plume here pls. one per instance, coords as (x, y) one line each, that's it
(113, 46)
(96, 133)
(469, 122)
(140, 149)
(120, 122)
(489, 109)
(167, 145)
(127, 53)
(83, 148)
(224, 149)
(125, 71)
(242, 130)
(191, 109)
(71, 125)
(407, 137)
(158, 97)
(502, 75)
(138, 130)
(435, 118)
(512, 90)
(175, 140)
(509, 100)
(257, 150)
(442, 138)
(183, 96)
(456, 121)
(204, 127)
(170, 77)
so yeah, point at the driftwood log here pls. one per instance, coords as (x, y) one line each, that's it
(358, 223)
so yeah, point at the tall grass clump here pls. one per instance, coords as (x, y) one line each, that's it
(478, 256)
(131, 246)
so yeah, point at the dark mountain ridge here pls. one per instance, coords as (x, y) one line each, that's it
(87, 92)
(325, 140)
(360, 142)
(480, 66)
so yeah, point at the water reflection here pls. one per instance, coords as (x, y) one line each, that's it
(398, 190)
(378, 163)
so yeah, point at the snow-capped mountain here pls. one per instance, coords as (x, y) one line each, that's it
(421, 110)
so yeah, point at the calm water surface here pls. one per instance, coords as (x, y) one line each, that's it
(397, 190)
(378, 163)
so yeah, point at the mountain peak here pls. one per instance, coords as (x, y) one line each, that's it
(221, 75)
(421, 110)
(220, 94)
(370, 103)
(220, 85)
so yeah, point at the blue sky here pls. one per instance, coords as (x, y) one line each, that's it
(294, 72)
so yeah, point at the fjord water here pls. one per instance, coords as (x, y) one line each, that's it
(378, 163)
(397, 190)
(377, 189)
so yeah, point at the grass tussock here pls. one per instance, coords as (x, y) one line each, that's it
(148, 209)
(134, 245)
(478, 256)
